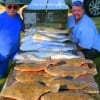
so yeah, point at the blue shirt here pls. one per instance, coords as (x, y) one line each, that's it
(10, 29)
(84, 33)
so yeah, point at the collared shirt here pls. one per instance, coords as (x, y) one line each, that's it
(10, 29)
(84, 33)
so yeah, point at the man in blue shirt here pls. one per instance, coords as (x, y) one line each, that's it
(10, 28)
(83, 31)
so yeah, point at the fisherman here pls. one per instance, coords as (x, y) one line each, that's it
(10, 28)
(83, 31)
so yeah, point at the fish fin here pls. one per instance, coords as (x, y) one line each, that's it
(55, 87)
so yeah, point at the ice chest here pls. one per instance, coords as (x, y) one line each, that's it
(49, 13)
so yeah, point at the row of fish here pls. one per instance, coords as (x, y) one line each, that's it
(45, 30)
(61, 68)
(39, 91)
(50, 81)
(44, 44)
(49, 69)
(44, 38)
(43, 56)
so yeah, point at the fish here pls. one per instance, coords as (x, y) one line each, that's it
(26, 77)
(27, 90)
(68, 84)
(52, 36)
(37, 54)
(6, 98)
(56, 31)
(51, 30)
(76, 62)
(42, 37)
(82, 62)
(56, 48)
(66, 71)
(30, 45)
(26, 38)
(45, 54)
(60, 36)
(64, 95)
(41, 72)
(63, 39)
(30, 31)
(49, 38)
(31, 66)
(43, 42)
(28, 58)
(64, 56)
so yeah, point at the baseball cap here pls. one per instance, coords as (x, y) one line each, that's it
(77, 2)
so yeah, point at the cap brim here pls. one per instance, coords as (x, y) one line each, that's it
(15, 3)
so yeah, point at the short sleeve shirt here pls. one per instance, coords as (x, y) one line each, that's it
(10, 29)
(84, 33)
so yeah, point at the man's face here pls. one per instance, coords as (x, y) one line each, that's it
(77, 12)
(12, 9)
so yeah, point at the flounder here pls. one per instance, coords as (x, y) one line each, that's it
(64, 71)
(65, 95)
(27, 91)
(25, 77)
(7, 98)
(35, 66)
(77, 62)
(41, 72)
(68, 84)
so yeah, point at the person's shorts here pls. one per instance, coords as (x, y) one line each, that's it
(91, 54)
